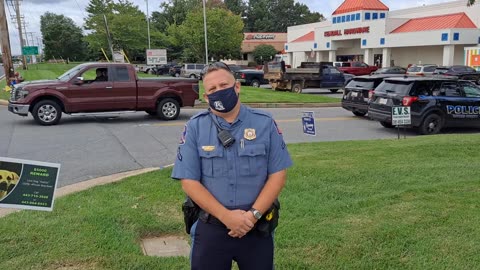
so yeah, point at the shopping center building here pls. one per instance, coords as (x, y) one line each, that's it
(366, 30)
(252, 40)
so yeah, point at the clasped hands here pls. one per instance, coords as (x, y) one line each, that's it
(239, 222)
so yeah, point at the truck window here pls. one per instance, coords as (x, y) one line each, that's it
(450, 89)
(121, 74)
(334, 70)
(95, 74)
(470, 89)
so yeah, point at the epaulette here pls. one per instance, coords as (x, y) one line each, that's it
(260, 112)
(199, 114)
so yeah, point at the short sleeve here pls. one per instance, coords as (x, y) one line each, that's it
(187, 162)
(278, 158)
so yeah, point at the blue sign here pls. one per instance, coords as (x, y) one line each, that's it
(308, 123)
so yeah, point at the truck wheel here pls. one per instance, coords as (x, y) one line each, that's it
(333, 90)
(255, 83)
(168, 109)
(47, 112)
(386, 124)
(297, 88)
(359, 113)
(432, 124)
(193, 76)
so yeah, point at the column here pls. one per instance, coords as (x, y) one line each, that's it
(386, 53)
(448, 54)
(368, 57)
(332, 56)
(318, 56)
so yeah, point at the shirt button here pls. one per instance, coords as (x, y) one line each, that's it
(231, 185)
(231, 201)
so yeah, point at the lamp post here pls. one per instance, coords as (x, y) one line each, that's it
(205, 30)
(148, 25)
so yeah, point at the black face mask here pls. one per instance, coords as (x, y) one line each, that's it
(223, 100)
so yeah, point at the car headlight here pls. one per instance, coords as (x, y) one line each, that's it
(22, 93)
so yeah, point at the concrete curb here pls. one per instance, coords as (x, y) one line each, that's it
(66, 190)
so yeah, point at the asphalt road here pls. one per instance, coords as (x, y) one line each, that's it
(89, 147)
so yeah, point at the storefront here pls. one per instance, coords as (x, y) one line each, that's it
(368, 31)
(252, 40)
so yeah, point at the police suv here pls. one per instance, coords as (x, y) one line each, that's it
(434, 102)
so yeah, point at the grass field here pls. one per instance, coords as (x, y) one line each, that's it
(384, 204)
(248, 95)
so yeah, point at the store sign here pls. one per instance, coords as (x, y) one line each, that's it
(260, 37)
(156, 57)
(475, 60)
(350, 31)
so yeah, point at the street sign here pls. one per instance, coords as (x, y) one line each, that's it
(156, 57)
(401, 116)
(308, 122)
(30, 50)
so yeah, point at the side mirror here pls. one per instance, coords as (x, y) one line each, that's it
(78, 81)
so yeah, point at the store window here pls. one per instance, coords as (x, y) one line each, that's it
(357, 17)
(328, 44)
(315, 45)
(456, 36)
(382, 15)
(343, 18)
(374, 16)
(382, 41)
(334, 19)
(352, 17)
(444, 36)
(364, 42)
(348, 18)
(367, 16)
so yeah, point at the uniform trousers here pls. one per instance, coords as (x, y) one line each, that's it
(214, 249)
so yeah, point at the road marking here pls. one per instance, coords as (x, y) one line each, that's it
(323, 119)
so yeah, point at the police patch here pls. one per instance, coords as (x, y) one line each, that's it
(183, 137)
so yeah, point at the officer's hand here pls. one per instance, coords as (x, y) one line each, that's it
(238, 223)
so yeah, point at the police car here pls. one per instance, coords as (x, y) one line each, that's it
(359, 90)
(434, 102)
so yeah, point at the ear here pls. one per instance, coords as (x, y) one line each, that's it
(205, 97)
(237, 87)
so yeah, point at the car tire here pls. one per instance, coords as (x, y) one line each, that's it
(168, 109)
(359, 113)
(255, 83)
(386, 125)
(431, 124)
(192, 76)
(47, 113)
(333, 90)
(297, 88)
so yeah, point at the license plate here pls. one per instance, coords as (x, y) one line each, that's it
(382, 101)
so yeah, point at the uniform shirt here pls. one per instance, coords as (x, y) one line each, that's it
(234, 175)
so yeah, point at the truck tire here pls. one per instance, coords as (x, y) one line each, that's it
(359, 113)
(297, 88)
(432, 124)
(333, 90)
(168, 109)
(193, 76)
(386, 124)
(255, 83)
(47, 112)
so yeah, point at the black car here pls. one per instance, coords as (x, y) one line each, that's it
(175, 70)
(462, 72)
(250, 77)
(233, 68)
(390, 70)
(358, 91)
(162, 69)
(434, 102)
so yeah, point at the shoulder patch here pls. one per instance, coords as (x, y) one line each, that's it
(183, 137)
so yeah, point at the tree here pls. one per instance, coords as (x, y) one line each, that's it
(62, 38)
(173, 12)
(224, 32)
(470, 2)
(264, 53)
(238, 7)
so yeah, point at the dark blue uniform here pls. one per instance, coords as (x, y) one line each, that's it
(234, 176)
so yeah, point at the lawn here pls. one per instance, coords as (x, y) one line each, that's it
(248, 94)
(382, 204)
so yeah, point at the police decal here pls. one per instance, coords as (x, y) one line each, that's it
(461, 111)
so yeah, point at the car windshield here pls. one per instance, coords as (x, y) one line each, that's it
(394, 87)
(70, 73)
(360, 83)
(413, 69)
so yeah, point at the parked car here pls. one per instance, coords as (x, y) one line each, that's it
(79, 91)
(162, 69)
(421, 70)
(434, 102)
(390, 70)
(357, 68)
(175, 70)
(233, 69)
(462, 72)
(251, 77)
(191, 70)
(359, 91)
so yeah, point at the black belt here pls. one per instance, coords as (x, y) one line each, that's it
(207, 218)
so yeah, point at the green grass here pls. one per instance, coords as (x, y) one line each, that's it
(384, 204)
(248, 94)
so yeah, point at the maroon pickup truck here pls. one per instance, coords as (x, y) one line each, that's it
(92, 88)
(356, 68)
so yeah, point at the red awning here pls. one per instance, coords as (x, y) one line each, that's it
(356, 5)
(449, 21)
(308, 37)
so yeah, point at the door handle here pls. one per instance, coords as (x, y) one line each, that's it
(108, 87)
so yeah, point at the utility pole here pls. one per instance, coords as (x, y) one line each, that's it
(148, 25)
(5, 42)
(20, 32)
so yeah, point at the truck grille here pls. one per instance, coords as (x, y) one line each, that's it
(13, 94)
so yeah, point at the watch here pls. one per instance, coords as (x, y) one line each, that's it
(256, 213)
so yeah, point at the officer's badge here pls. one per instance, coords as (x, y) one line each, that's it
(183, 138)
(218, 106)
(249, 134)
(208, 148)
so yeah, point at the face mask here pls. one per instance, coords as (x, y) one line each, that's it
(223, 100)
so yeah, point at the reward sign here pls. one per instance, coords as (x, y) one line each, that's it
(401, 116)
(27, 184)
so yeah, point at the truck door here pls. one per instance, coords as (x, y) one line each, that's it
(472, 101)
(453, 102)
(124, 88)
(331, 77)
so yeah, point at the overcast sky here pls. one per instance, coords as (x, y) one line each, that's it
(75, 9)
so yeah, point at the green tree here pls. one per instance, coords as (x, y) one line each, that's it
(471, 2)
(238, 7)
(264, 53)
(173, 12)
(224, 32)
(277, 15)
(62, 38)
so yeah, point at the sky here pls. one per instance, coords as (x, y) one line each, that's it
(75, 9)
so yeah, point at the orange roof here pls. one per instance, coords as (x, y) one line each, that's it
(356, 5)
(456, 20)
(308, 37)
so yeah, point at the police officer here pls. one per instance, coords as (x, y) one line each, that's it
(232, 162)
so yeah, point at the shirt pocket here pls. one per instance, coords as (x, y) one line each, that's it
(213, 163)
(253, 159)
